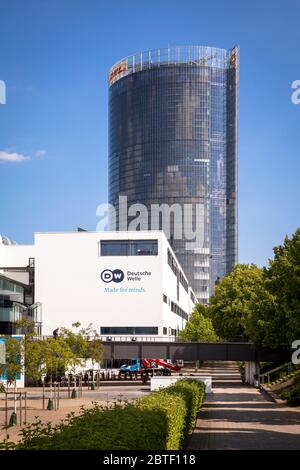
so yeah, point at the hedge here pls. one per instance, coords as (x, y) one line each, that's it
(118, 428)
(161, 420)
(193, 393)
(293, 395)
(174, 410)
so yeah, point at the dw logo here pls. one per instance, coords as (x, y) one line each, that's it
(112, 276)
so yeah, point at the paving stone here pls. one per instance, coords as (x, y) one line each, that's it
(238, 416)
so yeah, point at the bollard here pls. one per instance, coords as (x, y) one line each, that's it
(13, 419)
(20, 397)
(50, 405)
(58, 396)
(25, 408)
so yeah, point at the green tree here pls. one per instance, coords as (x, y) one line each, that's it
(199, 327)
(95, 350)
(261, 305)
(12, 368)
(45, 356)
(14, 364)
(231, 306)
(32, 349)
(84, 344)
(77, 341)
(56, 356)
(284, 282)
(275, 318)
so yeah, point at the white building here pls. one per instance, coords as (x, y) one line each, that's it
(127, 284)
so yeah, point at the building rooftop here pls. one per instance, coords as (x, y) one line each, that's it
(170, 56)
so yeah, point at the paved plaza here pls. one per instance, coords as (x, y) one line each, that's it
(238, 416)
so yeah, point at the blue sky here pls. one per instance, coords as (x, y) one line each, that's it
(54, 58)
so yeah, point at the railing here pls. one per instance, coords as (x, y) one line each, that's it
(135, 339)
(277, 373)
(176, 55)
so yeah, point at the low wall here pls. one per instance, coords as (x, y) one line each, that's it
(157, 382)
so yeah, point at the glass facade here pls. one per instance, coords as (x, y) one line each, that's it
(173, 140)
(6, 285)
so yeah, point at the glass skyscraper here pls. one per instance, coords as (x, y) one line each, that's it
(173, 140)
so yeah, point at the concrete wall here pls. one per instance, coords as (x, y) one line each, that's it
(162, 382)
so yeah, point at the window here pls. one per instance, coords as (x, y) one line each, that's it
(114, 248)
(193, 299)
(10, 286)
(5, 301)
(128, 247)
(172, 168)
(176, 309)
(129, 330)
(173, 265)
(165, 299)
(165, 330)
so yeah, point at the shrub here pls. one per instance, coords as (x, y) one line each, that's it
(159, 421)
(180, 419)
(193, 393)
(116, 428)
(293, 396)
(284, 395)
(174, 409)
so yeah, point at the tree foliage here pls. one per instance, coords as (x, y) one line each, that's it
(95, 350)
(13, 365)
(284, 282)
(199, 327)
(261, 305)
(231, 305)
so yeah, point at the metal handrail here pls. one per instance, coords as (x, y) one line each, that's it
(288, 367)
(170, 56)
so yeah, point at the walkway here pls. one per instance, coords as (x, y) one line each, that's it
(238, 416)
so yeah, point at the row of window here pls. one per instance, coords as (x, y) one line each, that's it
(128, 247)
(176, 309)
(129, 330)
(136, 330)
(10, 286)
(193, 298)
(172, 263)
(172, 331)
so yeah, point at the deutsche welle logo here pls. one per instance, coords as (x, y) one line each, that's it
(116, 275)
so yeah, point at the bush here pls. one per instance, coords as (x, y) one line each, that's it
(293, 396)
(173, 409)
(117, 428)
(193, 393)
(180, 403)
(159, 421)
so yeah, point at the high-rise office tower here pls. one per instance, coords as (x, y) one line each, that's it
(173, 140)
